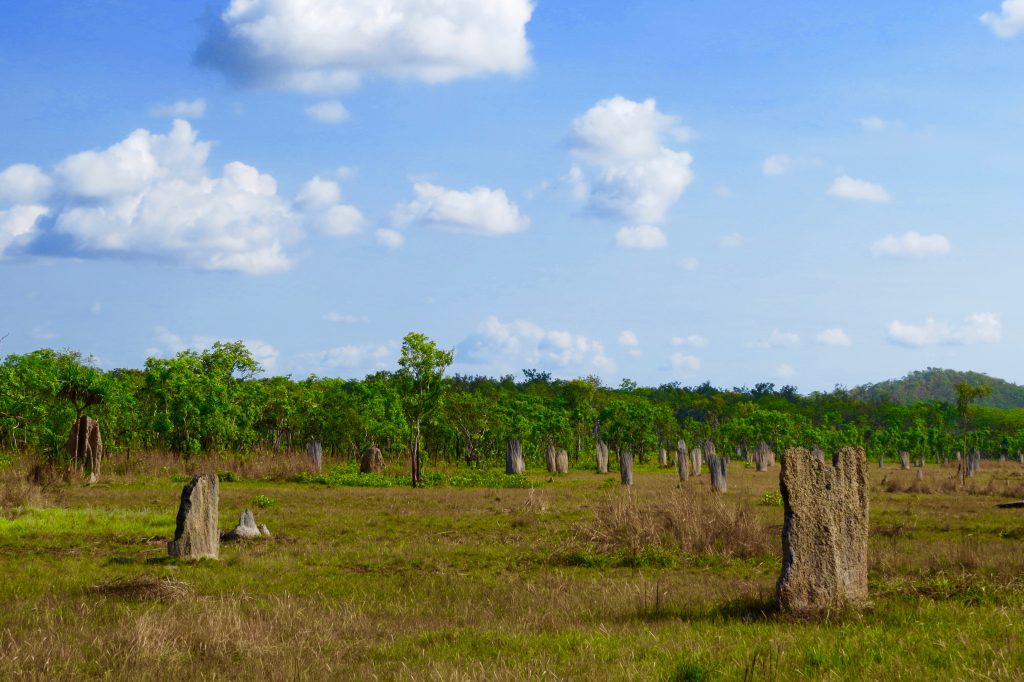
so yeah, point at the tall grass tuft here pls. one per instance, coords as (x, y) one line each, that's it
(633, 530)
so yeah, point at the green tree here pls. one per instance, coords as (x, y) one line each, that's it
(422, 365)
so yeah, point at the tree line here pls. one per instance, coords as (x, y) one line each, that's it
(215, 400)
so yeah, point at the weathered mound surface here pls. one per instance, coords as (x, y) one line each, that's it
(825, 535)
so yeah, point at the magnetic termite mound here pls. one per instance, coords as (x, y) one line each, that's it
(825, 534)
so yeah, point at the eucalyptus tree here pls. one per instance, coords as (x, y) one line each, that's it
(421, 375)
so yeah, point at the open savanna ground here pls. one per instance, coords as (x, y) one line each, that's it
(573, 578)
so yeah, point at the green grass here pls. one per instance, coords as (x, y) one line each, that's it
(348, 476)
(482, 582)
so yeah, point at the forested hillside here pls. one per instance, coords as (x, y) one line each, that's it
(215, 401)
(940, 384)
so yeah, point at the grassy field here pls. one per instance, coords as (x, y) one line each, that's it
(574, 578)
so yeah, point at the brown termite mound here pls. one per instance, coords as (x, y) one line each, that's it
(514, 461)
(825, 534)
(602, 457)
(561, 462)
(626, 468)
(371, 461)
(315, 452)
(682, 455)
(763, 457)
(85, 447)
(195, 534)
(551, 455)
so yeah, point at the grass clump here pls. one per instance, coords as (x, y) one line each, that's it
(628, 530)
(772, 498)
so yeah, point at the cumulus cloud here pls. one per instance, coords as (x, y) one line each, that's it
(777, 164)
(682, 361)
(185, 109)
(778, 339)
(392, 239)
(641, 237)
(626, 170)
(479, 211)
(911, 244)
(628, 338)
(18, 225)
(1009, 22)
(24, 183)
(513, 345)
(331, 45)
(320, 201)
(168, 343)
(846, 187)
(976, 328)
(833, 337)
(152, 194)
(694, 340)
(330, 111)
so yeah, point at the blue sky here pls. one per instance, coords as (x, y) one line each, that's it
(804, 193)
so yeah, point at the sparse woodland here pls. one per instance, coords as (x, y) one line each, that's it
(216, 401)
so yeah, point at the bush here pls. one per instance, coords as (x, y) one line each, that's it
(262, 501)
(772, 498)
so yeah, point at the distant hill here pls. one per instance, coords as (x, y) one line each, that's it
(937, 384)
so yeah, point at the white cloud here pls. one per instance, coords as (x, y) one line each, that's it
(169, 343)
(833, 337)
(185, 109)
(18, 225)
(24, 183)
(479, 211)
(320, 200)
(777, 164)
(778, 339)
(682, 361)
(345, 318)
(634, 175)
(689, 263)
(331, 45)
(732, 241)
(628, 338)
(911, 244)
(873, 123)
(976, 328)
(330, 111)
(694, 340)
(641, 237)
(151, 194)
(351, 356)
(785, 371)
(392, 239)
(514, 345)
(846, 187)
(1010, 22)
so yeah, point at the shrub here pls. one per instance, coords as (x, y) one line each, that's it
(262, 501)
(772, 498)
